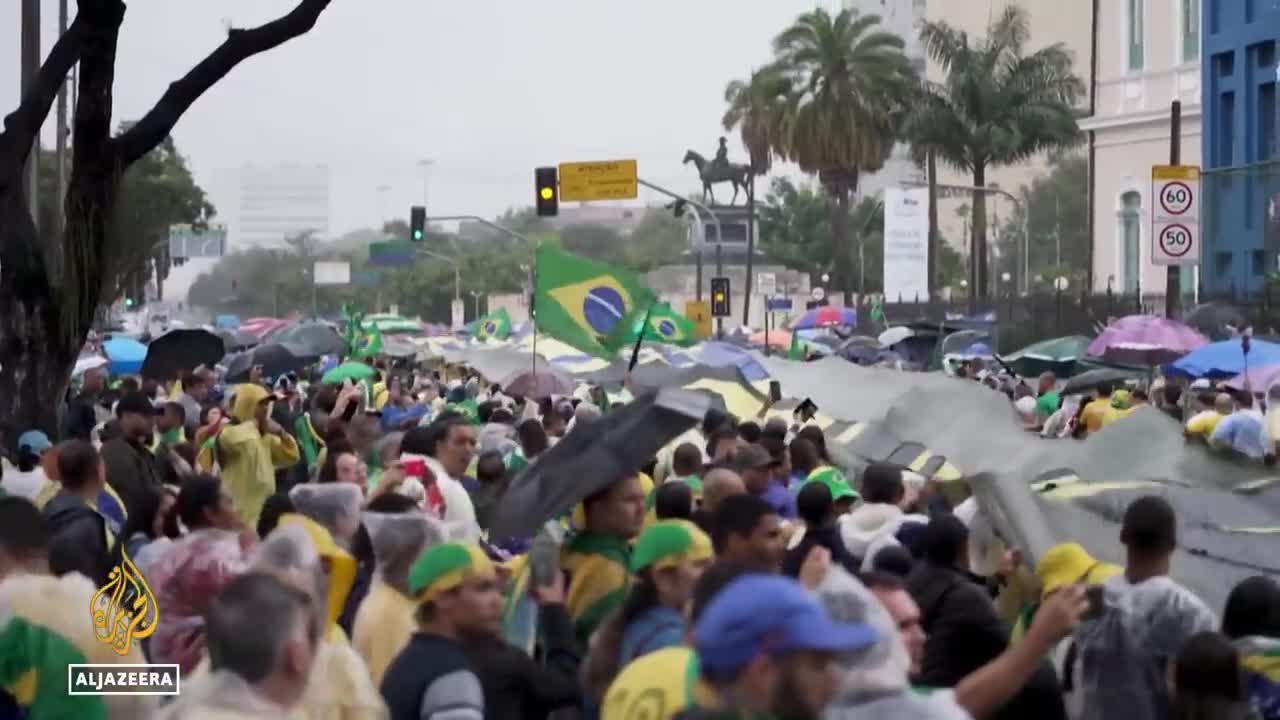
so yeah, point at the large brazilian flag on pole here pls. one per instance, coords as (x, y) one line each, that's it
(582, 302)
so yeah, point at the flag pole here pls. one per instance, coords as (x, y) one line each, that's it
(533, 310)
(635, 351)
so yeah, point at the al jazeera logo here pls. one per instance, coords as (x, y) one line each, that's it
(123, 613)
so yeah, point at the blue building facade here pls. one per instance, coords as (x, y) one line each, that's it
(1240, 209)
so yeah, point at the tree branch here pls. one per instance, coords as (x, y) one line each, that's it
(240, 45)
(23, 125)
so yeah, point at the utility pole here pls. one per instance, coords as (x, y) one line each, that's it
(715, 221)
(30, 70)
(1173, 275)
(59, 216)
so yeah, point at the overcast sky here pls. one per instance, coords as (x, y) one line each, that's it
(487, 89)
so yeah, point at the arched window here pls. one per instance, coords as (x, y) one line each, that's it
(1130, 237)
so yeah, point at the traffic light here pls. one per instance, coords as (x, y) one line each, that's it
(417, 223)
(128, 302)
(546, 183)
(719, 297)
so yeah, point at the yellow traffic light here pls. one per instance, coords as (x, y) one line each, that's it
(719, 297)
(547, 193)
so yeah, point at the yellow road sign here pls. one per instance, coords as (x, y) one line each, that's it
(699, 313)
(606, 180)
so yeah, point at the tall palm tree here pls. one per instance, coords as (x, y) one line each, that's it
(757, 108)
(848, 79)
(997, 106)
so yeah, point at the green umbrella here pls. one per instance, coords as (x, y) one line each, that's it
(353, 371)
(1058, 355)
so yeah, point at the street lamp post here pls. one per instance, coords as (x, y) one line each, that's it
(715, 220)
(457, 271)
(425, 164)
(475, 297)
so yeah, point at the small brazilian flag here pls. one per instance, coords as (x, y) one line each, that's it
(369, 343)
(583, 303)
(661, 324)
(494, 326)
(795, 351)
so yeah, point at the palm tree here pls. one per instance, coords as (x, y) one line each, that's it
(757, 108)
(997, 106)
(847, 81)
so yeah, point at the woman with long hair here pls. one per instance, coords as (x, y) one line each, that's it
(667, 561)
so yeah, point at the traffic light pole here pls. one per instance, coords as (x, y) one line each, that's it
(476, 218)
(457, 271)
(715, 220)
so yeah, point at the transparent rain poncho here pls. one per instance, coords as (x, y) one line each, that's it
(873, 681)
(397, 541)
(335, 506)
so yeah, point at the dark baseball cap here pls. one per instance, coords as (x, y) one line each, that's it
(754, 457)
(135, 403)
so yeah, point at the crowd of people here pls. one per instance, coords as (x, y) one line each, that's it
(323, 551)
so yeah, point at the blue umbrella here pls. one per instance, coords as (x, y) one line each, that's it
(1226, 358)
(126, 355)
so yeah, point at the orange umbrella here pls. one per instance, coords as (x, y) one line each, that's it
(777, 339)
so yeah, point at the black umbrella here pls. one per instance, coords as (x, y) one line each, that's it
(178, 351)
(316, 337)
(237, 340)
(594, 455)
(1090, 380)
(275, 358)
(1216, 321)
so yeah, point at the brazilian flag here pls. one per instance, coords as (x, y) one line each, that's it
(494, 326)
(661, 324)
(369, 343)
(584, 303)
(795, 351)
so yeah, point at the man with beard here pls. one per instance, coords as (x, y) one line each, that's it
(765, 648)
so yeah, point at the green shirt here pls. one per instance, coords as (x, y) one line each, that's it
(1047, 404)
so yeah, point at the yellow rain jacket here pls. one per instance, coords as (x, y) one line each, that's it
(249, 459)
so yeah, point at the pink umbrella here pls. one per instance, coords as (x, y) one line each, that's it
(1145, 340)
(1260, 378)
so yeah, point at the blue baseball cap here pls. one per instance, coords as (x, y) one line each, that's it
(35, 440)
(769, 614)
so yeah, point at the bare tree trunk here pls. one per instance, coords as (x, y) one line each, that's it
(50, 292)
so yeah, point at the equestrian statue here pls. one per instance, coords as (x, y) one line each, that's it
(719, 170)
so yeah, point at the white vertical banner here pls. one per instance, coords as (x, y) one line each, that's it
(906, 244)
(458, 311)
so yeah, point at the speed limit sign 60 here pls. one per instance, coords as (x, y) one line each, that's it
(1175, 215)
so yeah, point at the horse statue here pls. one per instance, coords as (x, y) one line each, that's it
(714, 173)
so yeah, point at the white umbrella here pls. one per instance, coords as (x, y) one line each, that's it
(895, 335)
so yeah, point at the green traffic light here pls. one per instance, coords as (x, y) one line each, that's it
(417, 234)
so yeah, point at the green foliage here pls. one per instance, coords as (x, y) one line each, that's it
(844, 79)
(155, 192)
(998, 105)
(1057, 202)
(757, 107)
(795, 229)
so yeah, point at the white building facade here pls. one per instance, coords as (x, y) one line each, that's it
(263, 205)
(903, 18)
(1148, 55)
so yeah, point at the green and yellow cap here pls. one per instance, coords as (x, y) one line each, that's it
(835, 482)
(668, 543)
(441, 568)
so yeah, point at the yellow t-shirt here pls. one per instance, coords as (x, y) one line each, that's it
(655, 686)
(1097, 414)
(1204, 423)
(383, 625)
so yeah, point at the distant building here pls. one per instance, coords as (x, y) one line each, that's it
(903, 18)
(262, 206)
(1239, 153)
(1148, 54)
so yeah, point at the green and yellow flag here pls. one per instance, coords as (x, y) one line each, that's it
(795, 351)
(494, 326)
(369, 343)
(583, 303)
(661, 324)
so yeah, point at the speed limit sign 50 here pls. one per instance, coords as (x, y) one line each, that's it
(1175, 215)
